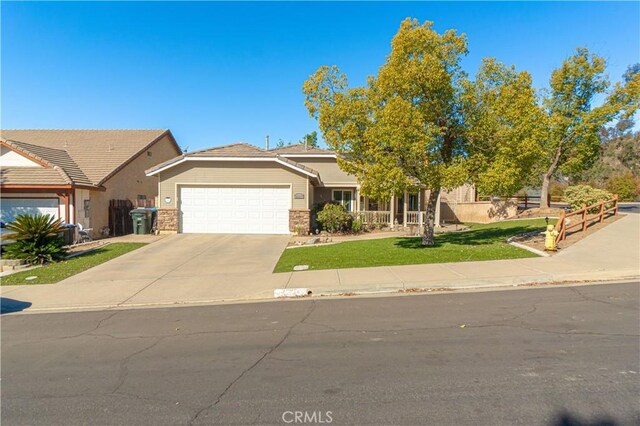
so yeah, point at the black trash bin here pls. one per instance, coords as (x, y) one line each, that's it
(68, 233)
(141, 221)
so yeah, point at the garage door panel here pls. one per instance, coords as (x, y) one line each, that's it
(241, 210)
(11, 207)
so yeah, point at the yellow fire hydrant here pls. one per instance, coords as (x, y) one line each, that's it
(550, 238)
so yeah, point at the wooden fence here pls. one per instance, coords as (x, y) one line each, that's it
(120, 222)
(565, 222)
(527, 200)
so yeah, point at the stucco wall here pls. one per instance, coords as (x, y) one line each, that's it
(478, 212)
(130, 181)
(230, 173)
(328, 168)
(10, 158)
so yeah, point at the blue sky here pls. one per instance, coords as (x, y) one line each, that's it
(217, 73)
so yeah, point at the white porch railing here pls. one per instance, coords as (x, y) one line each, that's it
(374, 217)
(412, 217)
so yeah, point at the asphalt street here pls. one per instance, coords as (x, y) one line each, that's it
(547, 356)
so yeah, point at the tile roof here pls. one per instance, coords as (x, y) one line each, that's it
(300, 148)
(54, 158)
(237, 150)
(31, 176)
(87, 157)
(240, 149)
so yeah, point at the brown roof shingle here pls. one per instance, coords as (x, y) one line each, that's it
(300, 148)
(236, 150)
(91, 157)
(31, 176)
(240, 149)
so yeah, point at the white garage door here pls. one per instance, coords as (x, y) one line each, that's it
(235, 210)
(11, 207)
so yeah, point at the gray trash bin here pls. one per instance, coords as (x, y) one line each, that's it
(141, 221)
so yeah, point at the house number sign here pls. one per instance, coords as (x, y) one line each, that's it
(298, 196)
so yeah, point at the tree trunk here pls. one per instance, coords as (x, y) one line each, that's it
(428, 236)
(546, 178)
(544, 191)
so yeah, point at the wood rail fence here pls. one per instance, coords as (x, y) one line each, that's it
(565, 222)
(527, 200)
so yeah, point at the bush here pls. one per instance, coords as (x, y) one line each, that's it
(357, 226)
(334, 217)
(37, 239)
(625, 186)
(584, 195)
(556, 189)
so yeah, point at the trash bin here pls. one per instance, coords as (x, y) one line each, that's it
(141, 221)
(68, 233)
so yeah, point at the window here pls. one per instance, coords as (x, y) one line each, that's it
(413, 202)
(344, 198)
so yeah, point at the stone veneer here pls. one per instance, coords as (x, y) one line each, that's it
(168, 220)
(300, 217)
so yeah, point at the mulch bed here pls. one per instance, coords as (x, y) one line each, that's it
(538, 212)
(80, 248)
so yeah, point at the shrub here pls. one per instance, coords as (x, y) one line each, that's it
(556, 189)
(625, 186)
(37, 239)
(357, 226)
(584, 195)
(334, 217)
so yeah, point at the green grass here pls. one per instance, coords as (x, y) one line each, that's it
(54, 272)
(482, 242)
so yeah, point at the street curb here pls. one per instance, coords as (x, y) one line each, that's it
(343, 294)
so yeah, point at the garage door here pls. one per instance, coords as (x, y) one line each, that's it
(235, 210)
(11, 207)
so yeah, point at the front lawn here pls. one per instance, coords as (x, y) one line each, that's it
(482, 242)
(54, 272)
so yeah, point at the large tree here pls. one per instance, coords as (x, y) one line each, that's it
(572, 140)
(421, 123)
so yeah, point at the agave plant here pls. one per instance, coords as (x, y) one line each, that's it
(37, 239)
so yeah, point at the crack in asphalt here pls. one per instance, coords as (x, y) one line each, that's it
(124, 369)
(85, 333)
(566, 333)
(254, 365)
(194, 333)
(587, 298)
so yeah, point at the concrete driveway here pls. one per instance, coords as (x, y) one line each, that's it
(176, 269)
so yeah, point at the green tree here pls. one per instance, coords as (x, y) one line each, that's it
(572, 142)
(310, 139)
(421, 123)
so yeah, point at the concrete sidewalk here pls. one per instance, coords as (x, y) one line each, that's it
(611, 253)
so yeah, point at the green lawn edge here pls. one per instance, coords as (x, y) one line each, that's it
(55, 272)
(481, 242)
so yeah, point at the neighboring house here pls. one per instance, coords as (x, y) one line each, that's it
(241, 188)
(74, 174)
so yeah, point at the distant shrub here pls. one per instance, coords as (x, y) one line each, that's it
(625, 185)
(584, 195)
(556, 189)
(334, 217)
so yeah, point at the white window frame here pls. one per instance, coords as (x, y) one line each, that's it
(351, 199)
